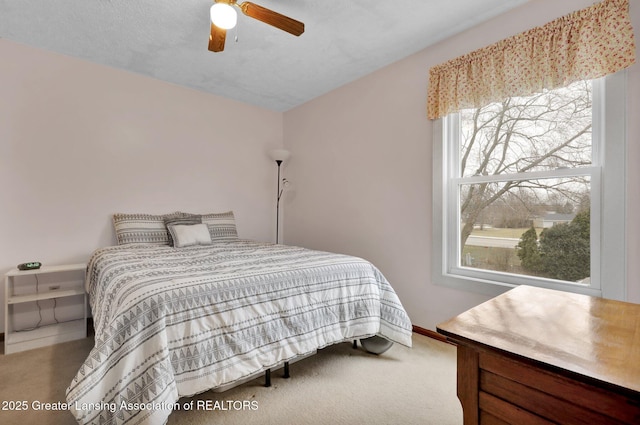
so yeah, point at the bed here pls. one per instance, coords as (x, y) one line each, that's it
(175, 321)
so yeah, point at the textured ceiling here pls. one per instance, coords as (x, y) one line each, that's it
(167, 40)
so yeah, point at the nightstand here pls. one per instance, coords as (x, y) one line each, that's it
(44, 306)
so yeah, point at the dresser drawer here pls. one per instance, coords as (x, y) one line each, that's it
(487, 418)
(494, 410)
(557, 398)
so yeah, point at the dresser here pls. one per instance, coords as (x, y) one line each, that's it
(538, 356)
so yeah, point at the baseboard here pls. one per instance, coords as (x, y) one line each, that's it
(431, 334)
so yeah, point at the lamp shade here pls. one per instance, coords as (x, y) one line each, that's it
(223, 16)
(280, 155)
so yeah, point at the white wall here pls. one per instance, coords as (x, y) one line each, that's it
(361, 167)
(79, 142)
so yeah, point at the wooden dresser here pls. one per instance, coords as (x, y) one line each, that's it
(537, 356)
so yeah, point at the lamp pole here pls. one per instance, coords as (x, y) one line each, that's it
(278, 194)
(279, 156)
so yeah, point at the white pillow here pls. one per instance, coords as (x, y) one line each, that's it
(189, 234)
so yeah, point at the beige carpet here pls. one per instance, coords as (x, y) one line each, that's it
(339, 385)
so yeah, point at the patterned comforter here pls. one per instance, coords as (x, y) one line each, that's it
(173, 322)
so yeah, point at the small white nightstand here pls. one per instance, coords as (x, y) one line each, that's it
(52, 282)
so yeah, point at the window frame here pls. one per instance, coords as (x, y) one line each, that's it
(608, 189)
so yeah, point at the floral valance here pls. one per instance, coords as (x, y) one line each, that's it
(586, 44)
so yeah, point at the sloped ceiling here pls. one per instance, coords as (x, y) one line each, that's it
(266, 67)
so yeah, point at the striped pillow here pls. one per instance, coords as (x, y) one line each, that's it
(221, 225)
(143, 228)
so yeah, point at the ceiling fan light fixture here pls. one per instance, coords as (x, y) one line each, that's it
(224, 16)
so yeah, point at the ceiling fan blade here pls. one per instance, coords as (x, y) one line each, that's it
(272, 18)
(217, 38)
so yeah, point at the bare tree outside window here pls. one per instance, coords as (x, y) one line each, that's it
(522, 166)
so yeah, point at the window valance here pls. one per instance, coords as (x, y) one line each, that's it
(586, 44)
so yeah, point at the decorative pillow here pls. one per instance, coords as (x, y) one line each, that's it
(221, 225)
(142, 228)
(187, 219)
(189, 234)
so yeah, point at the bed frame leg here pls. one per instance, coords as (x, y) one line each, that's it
(355, 344)
(286, 370)
(267, 378)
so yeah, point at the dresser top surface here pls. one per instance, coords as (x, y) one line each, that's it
(590, 336)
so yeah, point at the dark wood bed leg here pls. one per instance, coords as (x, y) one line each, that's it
(286, 370)
(267, 378)
(355, 344)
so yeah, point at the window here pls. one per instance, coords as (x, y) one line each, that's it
(531, 191)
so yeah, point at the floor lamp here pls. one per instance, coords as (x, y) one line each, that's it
(279, 156)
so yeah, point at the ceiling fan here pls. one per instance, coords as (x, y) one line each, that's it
(224, 17)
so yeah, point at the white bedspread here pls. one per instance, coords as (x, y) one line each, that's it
(173, 322)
